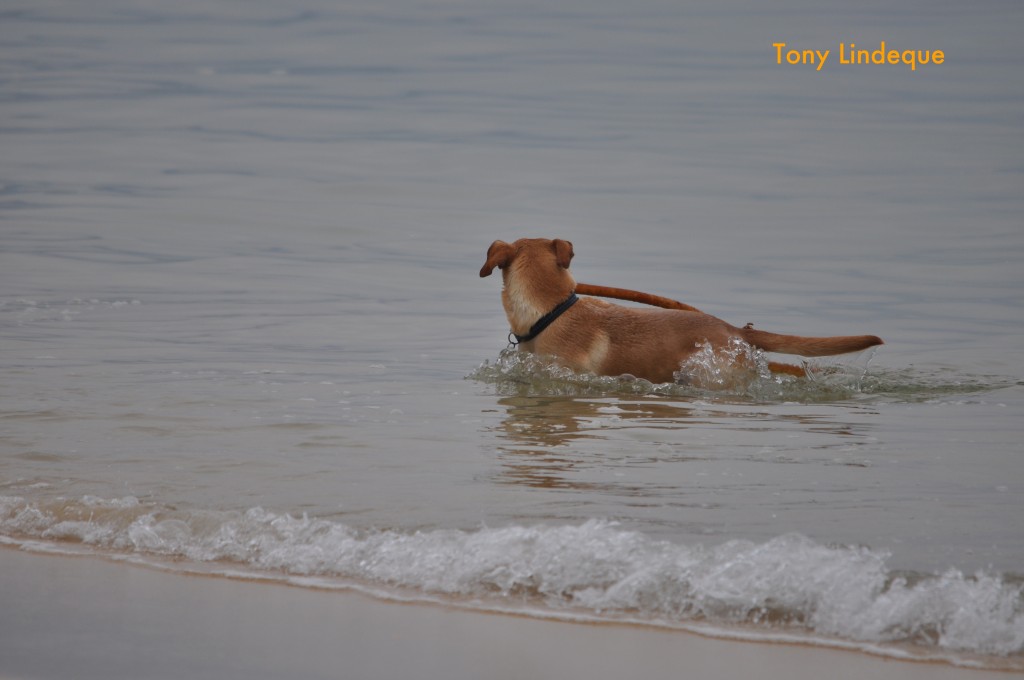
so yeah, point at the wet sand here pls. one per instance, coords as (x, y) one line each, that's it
(85, 617)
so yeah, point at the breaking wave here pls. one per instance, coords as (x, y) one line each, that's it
(596, 570)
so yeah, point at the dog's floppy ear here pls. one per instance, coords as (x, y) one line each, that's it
(563, 252)
(498, 255)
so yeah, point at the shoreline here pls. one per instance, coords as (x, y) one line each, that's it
(91, 617)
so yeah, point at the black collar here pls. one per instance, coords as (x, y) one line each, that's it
(544, 321)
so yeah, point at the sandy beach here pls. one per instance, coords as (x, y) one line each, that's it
(84, 617)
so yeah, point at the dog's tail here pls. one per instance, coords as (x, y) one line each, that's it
(633, 296)
(808, 347)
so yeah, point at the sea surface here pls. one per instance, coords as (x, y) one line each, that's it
(242, 330)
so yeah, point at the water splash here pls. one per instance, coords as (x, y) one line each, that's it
(738, 372)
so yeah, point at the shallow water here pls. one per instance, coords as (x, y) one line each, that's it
(241, 318)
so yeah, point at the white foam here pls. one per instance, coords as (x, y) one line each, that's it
(593, 570)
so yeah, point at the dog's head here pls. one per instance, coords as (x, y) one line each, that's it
(538, 252)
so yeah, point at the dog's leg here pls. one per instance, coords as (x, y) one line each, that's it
(787, 369)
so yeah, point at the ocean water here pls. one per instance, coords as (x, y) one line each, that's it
(242, 331)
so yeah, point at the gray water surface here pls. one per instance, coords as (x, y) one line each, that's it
(239, 247)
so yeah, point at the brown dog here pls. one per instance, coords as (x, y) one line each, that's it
(591, 335)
